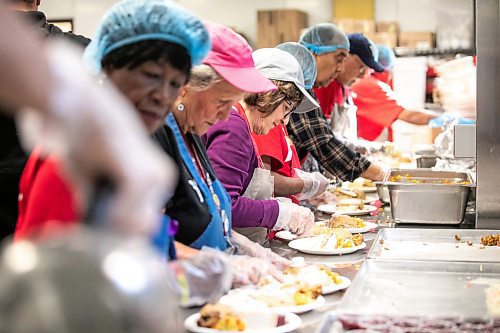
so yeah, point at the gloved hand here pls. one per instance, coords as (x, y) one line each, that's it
(299, 220)
(314, 184)
(249, 270)
(448, 118)
(99, 135)
(203, 278)
(253, 249)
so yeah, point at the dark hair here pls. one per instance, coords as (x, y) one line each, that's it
(269, 101)
(27, 2)
(134, 55)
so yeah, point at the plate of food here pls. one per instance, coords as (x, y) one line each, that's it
(342, 194)
(354, 225)
(338, 241)
(284, 298)
(348, 208)
(215, 318)
(318, 275)
(361, 184)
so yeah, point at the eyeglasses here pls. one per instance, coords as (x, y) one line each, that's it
(291, 107)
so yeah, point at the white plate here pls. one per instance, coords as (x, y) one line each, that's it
(369, 226)
(346, 282)
(331, 209)
(286, 235)
(370, 199)
(370, 189)
(238, 296)
(311, 246)
(292, 322)
(299, 309)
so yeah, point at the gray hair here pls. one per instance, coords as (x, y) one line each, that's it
(203, 77)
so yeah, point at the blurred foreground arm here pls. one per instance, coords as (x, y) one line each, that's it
(91, 126)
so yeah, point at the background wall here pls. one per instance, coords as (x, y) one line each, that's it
(421, 15)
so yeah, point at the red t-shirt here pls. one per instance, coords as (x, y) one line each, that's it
(329, 96)
(278, 146)
(377, 106)
(46, 198)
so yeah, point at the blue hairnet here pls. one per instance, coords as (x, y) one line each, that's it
(324, 38)
(132, 21)
(386, 57)
(305, 59)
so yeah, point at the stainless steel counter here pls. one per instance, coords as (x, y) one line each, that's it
(347, 265)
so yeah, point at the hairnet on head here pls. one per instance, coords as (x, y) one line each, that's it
(305, 59)
(132, 21)
(324, 38)
(386, 57)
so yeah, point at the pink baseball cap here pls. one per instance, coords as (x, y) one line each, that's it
(231, 58)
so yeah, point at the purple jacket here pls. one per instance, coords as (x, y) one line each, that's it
(232, 154)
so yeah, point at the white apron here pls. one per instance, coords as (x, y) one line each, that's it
(261, 187)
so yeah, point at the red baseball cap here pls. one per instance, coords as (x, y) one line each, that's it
(231, 58)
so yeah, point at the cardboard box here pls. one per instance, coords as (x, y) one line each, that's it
(278, 26)
(433, 133)
(389, 39)
(392, 27)
(423, 40)
(355, 25)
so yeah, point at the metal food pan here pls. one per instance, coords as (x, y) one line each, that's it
(424, 161)
(421, 289)
(433, 245)
(429, 202)
(383, 192)
(429, 177)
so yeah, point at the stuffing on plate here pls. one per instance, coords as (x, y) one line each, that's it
(220, 317)
(345, 221)
(286, 295)
(345, 239)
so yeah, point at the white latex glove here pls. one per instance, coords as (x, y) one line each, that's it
(299, 220)
(208, 275)
(314, 184)
(249, 270)
(253, 249)
(100, 135)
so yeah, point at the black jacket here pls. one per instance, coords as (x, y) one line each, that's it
(38, 20)
(185, 207)
(12, 157)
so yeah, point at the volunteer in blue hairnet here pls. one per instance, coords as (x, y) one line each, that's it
(378, 106)
(145, 49)
(311, 132)
(330, 47)
(81, 122)
(277, 150)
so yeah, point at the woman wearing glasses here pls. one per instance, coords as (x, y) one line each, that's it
(235, 156)
(277, 150)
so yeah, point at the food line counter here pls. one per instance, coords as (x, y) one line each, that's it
(350, 264)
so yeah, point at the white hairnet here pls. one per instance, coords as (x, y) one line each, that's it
(132, 21)
(305, 59)
(324, 38)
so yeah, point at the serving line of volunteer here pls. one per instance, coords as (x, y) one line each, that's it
(149, 63)
(222, 114)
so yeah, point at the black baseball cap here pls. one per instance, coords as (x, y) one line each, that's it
(361, 46)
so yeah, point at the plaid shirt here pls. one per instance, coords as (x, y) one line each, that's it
(311, 133)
